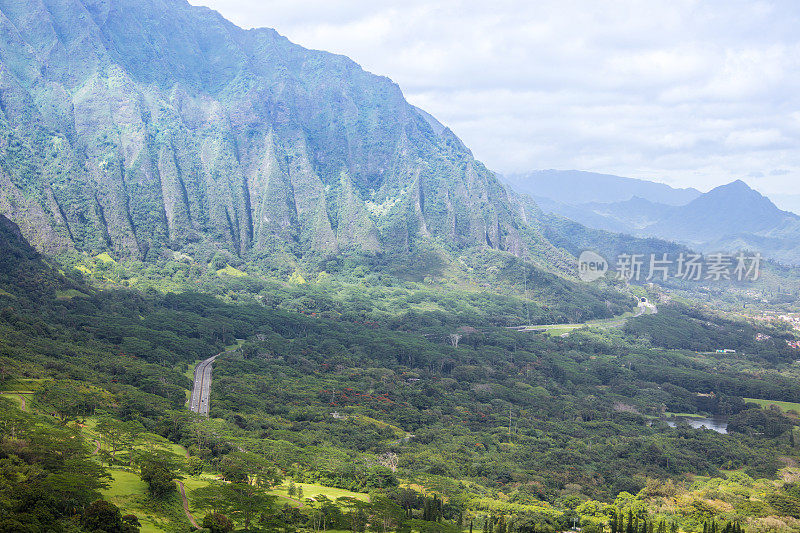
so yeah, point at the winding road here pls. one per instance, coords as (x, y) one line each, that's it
(201, 391)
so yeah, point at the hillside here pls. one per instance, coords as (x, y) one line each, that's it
(134, 126)
(494, 427)
(399, 343)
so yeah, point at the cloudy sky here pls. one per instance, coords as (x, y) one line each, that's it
(686, 92)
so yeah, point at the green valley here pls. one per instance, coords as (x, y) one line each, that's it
(383, 414)
(381, 336)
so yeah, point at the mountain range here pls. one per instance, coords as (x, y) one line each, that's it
(579, 187)
(138, 126)
(731, 217)
(142, 127)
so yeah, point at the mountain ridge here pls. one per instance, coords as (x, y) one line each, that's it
(134, 126)
(726, 210)
(579, 187)
(732, 217)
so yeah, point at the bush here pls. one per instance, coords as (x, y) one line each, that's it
(159, 476)
(102, 516)
(764, 421)
(130, 524)
(217, 523)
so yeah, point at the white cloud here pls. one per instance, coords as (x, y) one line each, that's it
(685, 91)
(754, 139)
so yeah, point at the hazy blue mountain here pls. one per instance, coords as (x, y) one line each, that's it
(634, 214)
(629, 216)
(731, 217)
(583, 215)
(136, 125)
(726, 211)
(573, 237)
(575, 187)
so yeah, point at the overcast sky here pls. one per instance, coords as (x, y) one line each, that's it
(685, 92)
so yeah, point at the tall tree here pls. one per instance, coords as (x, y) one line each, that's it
(242, 502)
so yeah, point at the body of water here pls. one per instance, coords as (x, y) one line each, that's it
(717, 423)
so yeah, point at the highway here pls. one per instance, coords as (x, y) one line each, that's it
(201, 391)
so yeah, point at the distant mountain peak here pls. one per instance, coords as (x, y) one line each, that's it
(735, 186)
(731, 217)
(740, 195)
(730, 209)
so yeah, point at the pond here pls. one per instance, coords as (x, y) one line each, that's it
(718, 423)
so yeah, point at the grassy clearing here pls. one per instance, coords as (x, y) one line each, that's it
(311, 490)
(363, 419)
(561, 330)
(191, 483)
(784, 406)
(129, 492)
(613, 322)
(124, 485)
(231, 271)
(148, 440)
(17, 398)
(126, 491)
(177, 449)
(21, 385)
(69, 294)
(190, 371)
(282, 501)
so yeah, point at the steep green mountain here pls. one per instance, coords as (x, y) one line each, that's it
(136, 125)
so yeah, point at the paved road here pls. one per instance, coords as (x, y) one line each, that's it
(201, 390)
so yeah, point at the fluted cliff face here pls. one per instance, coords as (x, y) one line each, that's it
(133, 125)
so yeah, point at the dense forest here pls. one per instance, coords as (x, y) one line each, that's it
(424, 418)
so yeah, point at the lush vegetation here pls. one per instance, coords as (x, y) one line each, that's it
(393, 404)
